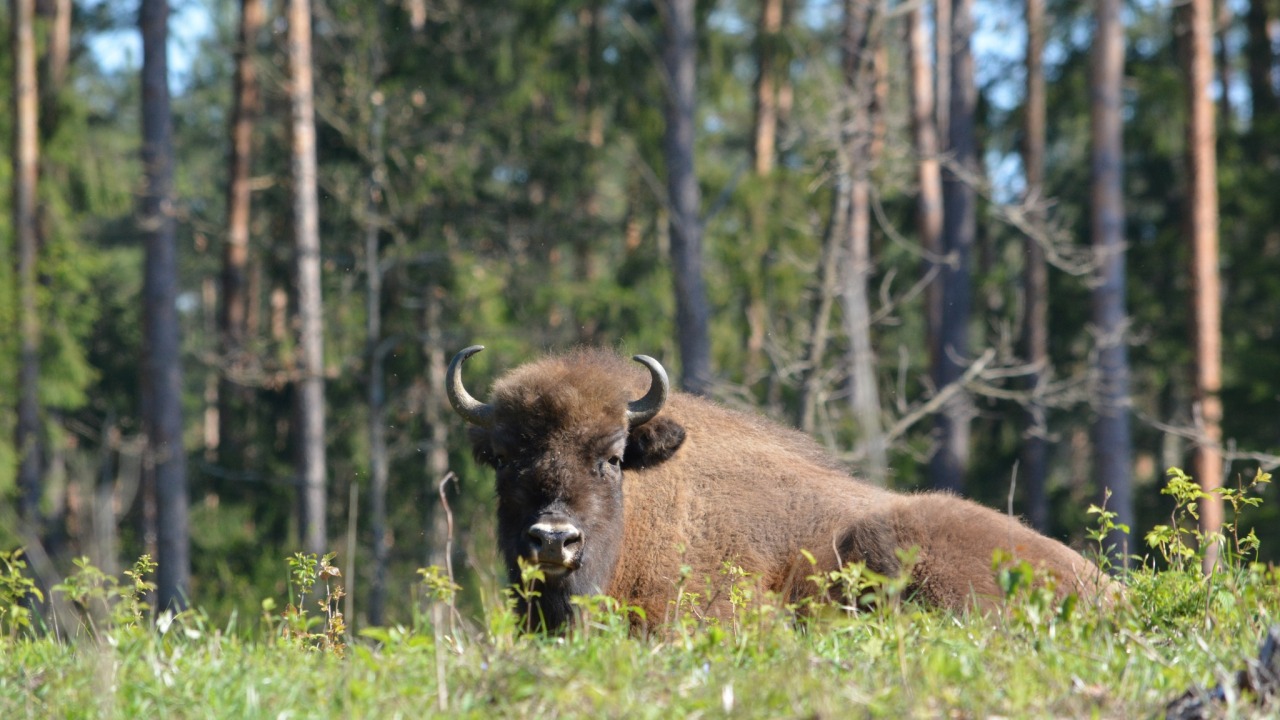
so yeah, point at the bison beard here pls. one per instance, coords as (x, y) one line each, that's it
(612, 495)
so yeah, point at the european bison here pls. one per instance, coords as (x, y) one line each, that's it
(612, 495)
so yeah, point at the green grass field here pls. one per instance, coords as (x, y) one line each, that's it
(1172, 631)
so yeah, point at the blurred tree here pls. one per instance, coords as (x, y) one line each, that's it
(309, 393)
(1202, 209)
(26, 159)
(166, 459)
(924, 125)
(1112, 443)
(1035, 320)
(769, 65)
(951, 459)
(679, 52)
(861, 45)
(233, 325)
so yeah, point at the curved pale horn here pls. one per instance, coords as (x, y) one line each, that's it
(642, 411)
(471, 409)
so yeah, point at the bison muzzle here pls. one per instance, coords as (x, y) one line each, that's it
(642, 499)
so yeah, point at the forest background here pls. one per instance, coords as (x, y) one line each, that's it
(963, 243)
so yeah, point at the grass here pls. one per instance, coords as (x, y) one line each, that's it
(1174, 630)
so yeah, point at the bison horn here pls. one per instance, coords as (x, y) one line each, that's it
(642, 411)
(471, 409)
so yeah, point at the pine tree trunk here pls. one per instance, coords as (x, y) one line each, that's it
(1035, 323)
(57, 57)
(959, 229)
(166, 458)
(233, 320)
(860, 38)
(26, 159)
(1111, 430)
(942, 34)
(1203, 222)
(765, 135)
(310, 391)
(929, 174)
(437, 418)
(692, 311)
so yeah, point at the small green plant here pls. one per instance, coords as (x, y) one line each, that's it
(103, 600)
(1182, 542)
(1106, 528)
(1173, 540)
(531, 576)
(15, 588)
(304, 570)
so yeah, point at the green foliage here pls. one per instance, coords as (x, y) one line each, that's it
(105, 602)
(299, 627)
(1035, 657)
(1182, 541)
(16, 590)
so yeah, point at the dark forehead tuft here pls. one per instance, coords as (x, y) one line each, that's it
(586, 389)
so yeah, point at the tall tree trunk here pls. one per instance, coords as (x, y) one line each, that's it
(765, 135)
(378, 457)
(951, 460)
(26, 159)
(1111, 431)
(692, 312)
(1207, 316)
(1260, 61)
(860, 39)
(161, 369)
(1035, 322)
(233, 320)
(306, 228)
(942, 34)
(57, 57)
(929, 173)
(437, 420)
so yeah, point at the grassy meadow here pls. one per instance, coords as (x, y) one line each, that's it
(1172, 630)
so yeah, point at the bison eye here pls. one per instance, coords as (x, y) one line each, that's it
(615, 461)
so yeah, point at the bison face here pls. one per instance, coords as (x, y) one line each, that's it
(560, 434)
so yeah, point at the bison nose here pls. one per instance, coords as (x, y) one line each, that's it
(556, 543)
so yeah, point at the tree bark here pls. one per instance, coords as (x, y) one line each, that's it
(692, 312)
(929, 174)
(1035, 322)
(26, 160)
(765, 135)
(951, 460)
(860, 39)
(437, 418)
(1203, 222)
(161, 367)
(306, 227)
(233, 320)
(1111, 430)
(942, 33)
(57, 57)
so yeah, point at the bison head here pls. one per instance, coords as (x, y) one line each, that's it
(560, 433)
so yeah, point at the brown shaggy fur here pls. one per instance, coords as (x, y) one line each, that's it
(700, 485)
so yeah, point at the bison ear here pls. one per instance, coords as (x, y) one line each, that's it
(652, 443)
(482, 445)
